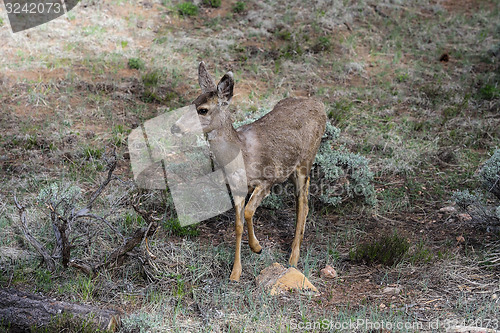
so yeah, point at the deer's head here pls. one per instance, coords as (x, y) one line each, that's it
(211, 105)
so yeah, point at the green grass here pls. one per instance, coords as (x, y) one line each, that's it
(388, 250)
(174, 227)
(136, 63)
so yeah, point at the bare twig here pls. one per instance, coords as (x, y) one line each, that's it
(102, 219)
(111, 168)
(49, 261)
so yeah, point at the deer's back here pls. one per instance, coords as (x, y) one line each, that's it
(286, 137)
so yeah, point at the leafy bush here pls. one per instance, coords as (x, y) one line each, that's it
(340, 167)
(490, 174)
(187, 9)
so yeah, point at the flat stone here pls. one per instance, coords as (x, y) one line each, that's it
(278, 279)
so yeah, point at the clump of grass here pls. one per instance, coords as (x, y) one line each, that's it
(489, 92)
(136, 63)
(292, 50)
(239, 7)
(187, 9)
(284, 34)
(175, 228)
(388, 250)
(151, 79)
(92, 153)
(323, 43)
(120, 133)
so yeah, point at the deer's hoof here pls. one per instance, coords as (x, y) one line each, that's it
(256, 249)
(234, 281)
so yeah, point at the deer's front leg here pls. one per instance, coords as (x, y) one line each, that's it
(236, 272)
(302, 189)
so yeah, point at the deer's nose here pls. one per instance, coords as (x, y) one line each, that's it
(175, 129)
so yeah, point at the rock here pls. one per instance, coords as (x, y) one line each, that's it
(448, 210)
(277, 279)
(391, 290)
(328, 272)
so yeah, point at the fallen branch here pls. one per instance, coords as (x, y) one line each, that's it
(21, 312)
(49, 261)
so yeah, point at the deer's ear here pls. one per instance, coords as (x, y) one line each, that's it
(207, 83)
(225, 88)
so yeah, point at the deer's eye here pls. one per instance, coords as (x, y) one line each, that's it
(202, 111)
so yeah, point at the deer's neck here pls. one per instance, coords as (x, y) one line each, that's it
(224, 142)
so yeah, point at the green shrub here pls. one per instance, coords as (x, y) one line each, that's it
(239, 7)
(273, 201)
(388, 250)
(136, 63)
(187, 9)
(335, 165)
(212, 3)
(465, 199)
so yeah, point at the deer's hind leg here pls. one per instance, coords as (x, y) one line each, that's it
(258, 194)
(301, 180)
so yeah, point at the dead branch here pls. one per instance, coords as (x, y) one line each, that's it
(49, 261)
(117, 256)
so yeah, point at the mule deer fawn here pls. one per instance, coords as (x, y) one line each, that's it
(280, 145)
